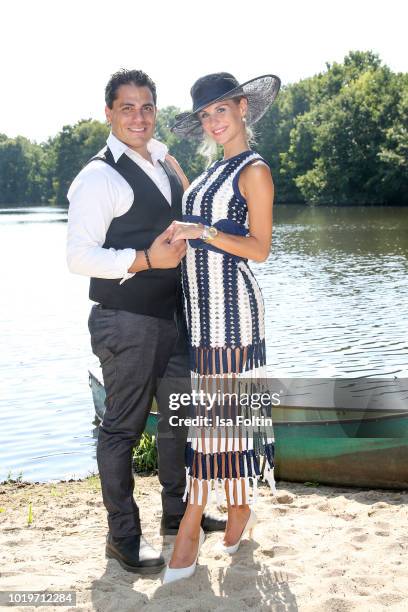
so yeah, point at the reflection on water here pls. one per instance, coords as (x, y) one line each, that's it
(335, 289)
(39, 214)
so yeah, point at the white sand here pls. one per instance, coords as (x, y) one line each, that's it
(314, 549)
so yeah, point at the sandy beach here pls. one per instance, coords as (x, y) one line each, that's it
(314, 548)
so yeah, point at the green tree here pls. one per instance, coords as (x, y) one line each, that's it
(336, 152)
(393, 152)
(183, 149)
(73, 147)
(339, 137)
(14, 168)
(273, 136)
(22, 171)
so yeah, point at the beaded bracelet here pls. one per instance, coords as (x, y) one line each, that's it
(149, 265)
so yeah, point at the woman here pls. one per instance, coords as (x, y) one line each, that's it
(227, 219)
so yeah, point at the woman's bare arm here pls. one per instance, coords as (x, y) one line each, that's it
(176, 166)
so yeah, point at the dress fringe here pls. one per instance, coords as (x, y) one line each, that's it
(248, 471)
(211, 465)
(222, 361)
(219, 484)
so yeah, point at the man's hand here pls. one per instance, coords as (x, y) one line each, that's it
(162, 254)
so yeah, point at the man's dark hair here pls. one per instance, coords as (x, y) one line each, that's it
(126, 77)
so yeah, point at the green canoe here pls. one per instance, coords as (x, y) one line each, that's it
(346, 447)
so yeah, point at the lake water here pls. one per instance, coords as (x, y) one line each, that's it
(335, 287)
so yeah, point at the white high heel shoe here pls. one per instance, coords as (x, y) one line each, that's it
(177, 573)
(251, 522)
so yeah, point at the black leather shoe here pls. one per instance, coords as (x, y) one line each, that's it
(134, 554)
(209, 523)
(170, 524)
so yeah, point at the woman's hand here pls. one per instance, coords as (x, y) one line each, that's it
(186, 231)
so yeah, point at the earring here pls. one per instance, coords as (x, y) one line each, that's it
(243, 119)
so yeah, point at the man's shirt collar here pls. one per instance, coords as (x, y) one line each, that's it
(158, 150)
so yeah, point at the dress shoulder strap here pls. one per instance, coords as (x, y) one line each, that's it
(250, 159)
(253, 157)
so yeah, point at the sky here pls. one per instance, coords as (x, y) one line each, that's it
(56, 56)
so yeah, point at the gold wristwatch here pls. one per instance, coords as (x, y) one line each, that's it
(209, 233)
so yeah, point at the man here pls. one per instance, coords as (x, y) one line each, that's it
(121, 207)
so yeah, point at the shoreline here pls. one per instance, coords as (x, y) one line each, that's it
(321, 547)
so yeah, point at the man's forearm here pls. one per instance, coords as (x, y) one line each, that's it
(139, 263)
(97, 261)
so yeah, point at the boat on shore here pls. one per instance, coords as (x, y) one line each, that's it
(355, 434)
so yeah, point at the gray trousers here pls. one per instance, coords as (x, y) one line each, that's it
(141, 357)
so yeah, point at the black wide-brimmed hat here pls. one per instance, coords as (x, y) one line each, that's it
(260, 93)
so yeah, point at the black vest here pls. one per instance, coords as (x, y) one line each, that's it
(156, 292)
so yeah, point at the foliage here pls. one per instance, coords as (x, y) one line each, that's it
(393, 151)
(339, 137)
(22, 171)
(145, 454)
(344, 135)
(93, 481)
(11, 479)
(73, 147)
(30, 515)
(273, 136)
(183, 150)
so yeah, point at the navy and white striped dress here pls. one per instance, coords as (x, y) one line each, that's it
(225, 316)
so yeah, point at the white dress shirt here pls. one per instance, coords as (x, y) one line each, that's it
(97, 195)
